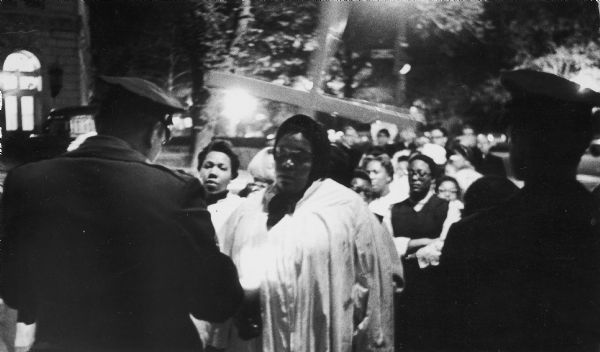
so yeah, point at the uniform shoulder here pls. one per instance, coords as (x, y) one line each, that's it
(179, 174)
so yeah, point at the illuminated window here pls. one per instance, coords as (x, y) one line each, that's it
(21, 82)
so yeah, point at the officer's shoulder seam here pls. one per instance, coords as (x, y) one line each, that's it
(177, 173)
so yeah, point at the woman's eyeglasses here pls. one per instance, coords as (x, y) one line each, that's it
(418, 173)
(448, 191)
(295, 156)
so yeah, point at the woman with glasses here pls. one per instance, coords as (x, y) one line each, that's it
(314, 262)
(417, 222)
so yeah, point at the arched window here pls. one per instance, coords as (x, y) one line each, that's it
(20, 82)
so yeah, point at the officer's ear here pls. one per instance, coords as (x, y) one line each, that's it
(155, 135)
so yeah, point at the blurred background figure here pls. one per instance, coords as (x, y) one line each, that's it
(468, 137)
(439, 135)
(262, 170)
(447, 188)
(351, 143)
(384, 141)
(350, 137)
(407, 139)
(420, 142)
(383, 137)
(361, 184)
(462, 163)
(490, 164)
(399, 185)
(436, 152)
(381, 173)
(217, 166)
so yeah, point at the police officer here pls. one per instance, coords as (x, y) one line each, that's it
(107, 251)
(525, 275)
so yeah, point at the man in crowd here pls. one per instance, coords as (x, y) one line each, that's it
(525, 275)
(383, 137)
(490, 164)
(439, 135)
(106, 251)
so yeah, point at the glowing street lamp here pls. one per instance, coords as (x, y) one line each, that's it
(238, 105)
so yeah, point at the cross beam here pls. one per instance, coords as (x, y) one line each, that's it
(352, 109)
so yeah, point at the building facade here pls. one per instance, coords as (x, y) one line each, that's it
(43, 56)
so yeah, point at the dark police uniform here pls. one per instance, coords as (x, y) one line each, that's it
(105, 251)
(526, 275)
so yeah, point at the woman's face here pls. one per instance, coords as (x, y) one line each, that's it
(458, 161)
(380, 179)
(215, 172)
(419, 177)
(293, 163)
(448, 191)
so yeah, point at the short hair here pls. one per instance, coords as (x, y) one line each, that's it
(445, 178)
(439, 128)
(384, 131)
(360, 173)
(385, 161)
(225, 148)
(467, 125)
(347, 128)
(376, 150)
(435, 170)
(473, 155)
(402, 158)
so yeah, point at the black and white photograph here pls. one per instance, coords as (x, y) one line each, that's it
(299, 176)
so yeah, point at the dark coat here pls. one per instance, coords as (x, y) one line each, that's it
(414, 306)
(106, 251)
(427, 223)
(523, 276)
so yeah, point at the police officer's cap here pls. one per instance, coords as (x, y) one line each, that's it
(145, 90)
(551, 102)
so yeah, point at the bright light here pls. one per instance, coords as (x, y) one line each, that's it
(587, 79)
(238, 105)
(405, 69)
(252, 264)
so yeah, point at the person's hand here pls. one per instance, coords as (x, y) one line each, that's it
(415, 244)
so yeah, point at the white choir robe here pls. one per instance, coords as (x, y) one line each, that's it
(324, 274)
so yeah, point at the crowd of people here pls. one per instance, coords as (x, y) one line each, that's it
(422, 244)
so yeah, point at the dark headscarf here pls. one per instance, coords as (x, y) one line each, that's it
(316, 135)
(314, 132)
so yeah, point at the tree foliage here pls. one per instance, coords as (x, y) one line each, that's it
(459, 49)
(456, 48)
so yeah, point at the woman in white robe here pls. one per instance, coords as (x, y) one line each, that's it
(321, 263)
